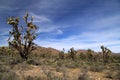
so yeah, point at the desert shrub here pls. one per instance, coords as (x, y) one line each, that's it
(117, 76)
(110, 74)
(83, 75)
(33, 62)
(8, 76)
(113, 71)
(21, 66)
(51, 76)
(60, 63)
(29, 78)
(82, 56)
(34, 78)
(72, 64)
(15, 61)
(4, 68)
(116, 58)
(98, 68)
(4, 50)
(59, 69)
(90, 55)
(61, 55)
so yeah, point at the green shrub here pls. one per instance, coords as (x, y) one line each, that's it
(14, 61)
(33, 62)
(8, 76)
(96, 68)
(83, 75)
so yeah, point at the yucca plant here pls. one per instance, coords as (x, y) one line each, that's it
(72, 53)
(106, 54)
(22, 36)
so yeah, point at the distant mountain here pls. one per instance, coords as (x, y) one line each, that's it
(81, 51)
(41, 50)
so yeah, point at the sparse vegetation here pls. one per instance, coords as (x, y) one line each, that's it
(51, 64)
(87, 65)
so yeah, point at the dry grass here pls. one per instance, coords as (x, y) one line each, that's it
(48, 66)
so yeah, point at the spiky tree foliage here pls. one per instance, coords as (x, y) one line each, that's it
(22, 36)
(106, 54)
(72, 53)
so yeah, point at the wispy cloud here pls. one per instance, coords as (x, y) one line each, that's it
(82, 41)
(48, 25)
(105, 22)
(40, 18)
(47, 28)
(59, 31)
(101, 32)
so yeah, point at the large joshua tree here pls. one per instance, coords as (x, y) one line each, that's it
(22, 36)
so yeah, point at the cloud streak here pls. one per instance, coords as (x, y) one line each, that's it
(40, 18)
(83, 41)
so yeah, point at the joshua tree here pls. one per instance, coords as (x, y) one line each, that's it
(72, 53)
(22, 36)
(106, 53)
(61, 54)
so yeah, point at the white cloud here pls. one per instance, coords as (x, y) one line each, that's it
(115, 48)
(40, 18)
(83, 41)
(105, 22)
(51, 28)
(48, 25)
(59, 31)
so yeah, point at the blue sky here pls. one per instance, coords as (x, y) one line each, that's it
(81, 24)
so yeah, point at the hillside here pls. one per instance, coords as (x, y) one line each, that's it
(41, 50)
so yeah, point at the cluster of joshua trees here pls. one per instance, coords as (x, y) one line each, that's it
(22, 36)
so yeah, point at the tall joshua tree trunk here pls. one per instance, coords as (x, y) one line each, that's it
(23, 36)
